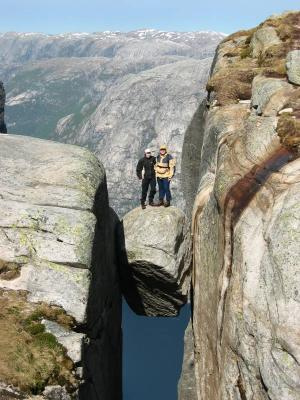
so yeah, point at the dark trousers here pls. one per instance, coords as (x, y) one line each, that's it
(164, 188)
(146, 182)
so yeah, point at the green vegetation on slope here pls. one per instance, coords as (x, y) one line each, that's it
(30, 357)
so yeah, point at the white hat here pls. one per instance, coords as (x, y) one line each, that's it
(147, 151)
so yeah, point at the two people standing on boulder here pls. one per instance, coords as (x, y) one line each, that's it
(160, 168)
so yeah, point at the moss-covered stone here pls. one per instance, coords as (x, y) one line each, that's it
(288, 129)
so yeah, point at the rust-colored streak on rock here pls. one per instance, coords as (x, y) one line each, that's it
(237, 199)
(245, 189)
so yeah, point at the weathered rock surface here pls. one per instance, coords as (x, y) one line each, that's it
(47, 224)
(72, 341)
(2, 104)
(263, 39)
(56, 393)
(262, 90)
(115, 93)
(57, 238)
(246, 237)
(50, 393)
(156, 263)
(293, 66)
(8, 392)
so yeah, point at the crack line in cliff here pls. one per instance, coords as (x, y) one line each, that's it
(37, 230)
(240, 386)
(263, 384)
(88, 209)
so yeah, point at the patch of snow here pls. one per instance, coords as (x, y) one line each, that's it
(140, 34)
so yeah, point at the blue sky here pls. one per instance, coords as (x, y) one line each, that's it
(55, 16)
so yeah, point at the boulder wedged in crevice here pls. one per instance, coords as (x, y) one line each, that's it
(155, 260)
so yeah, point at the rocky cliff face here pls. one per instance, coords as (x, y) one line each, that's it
(2, 104)
(59, 289)
(246, 221)
(115, 93)
(59, 286)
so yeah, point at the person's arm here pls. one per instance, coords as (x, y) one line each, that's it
(139, 168)
(172, 163)
(155, 161)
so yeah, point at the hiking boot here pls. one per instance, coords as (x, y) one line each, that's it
(160, 203)
(152, 204)
(143, 205)
(167, 204)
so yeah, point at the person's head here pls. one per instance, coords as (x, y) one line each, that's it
(148, 153)
(163, 149)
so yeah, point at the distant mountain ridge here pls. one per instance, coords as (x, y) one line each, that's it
(24, 47)
(148, 33)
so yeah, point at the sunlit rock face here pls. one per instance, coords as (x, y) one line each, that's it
(293, 66)
(115, 93)
(246, 222)
(156, 260)
(58, 269)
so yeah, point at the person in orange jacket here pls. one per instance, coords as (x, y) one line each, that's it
(164, 170)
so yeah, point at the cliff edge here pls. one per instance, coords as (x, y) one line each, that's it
(245, 221)
(59, 289)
